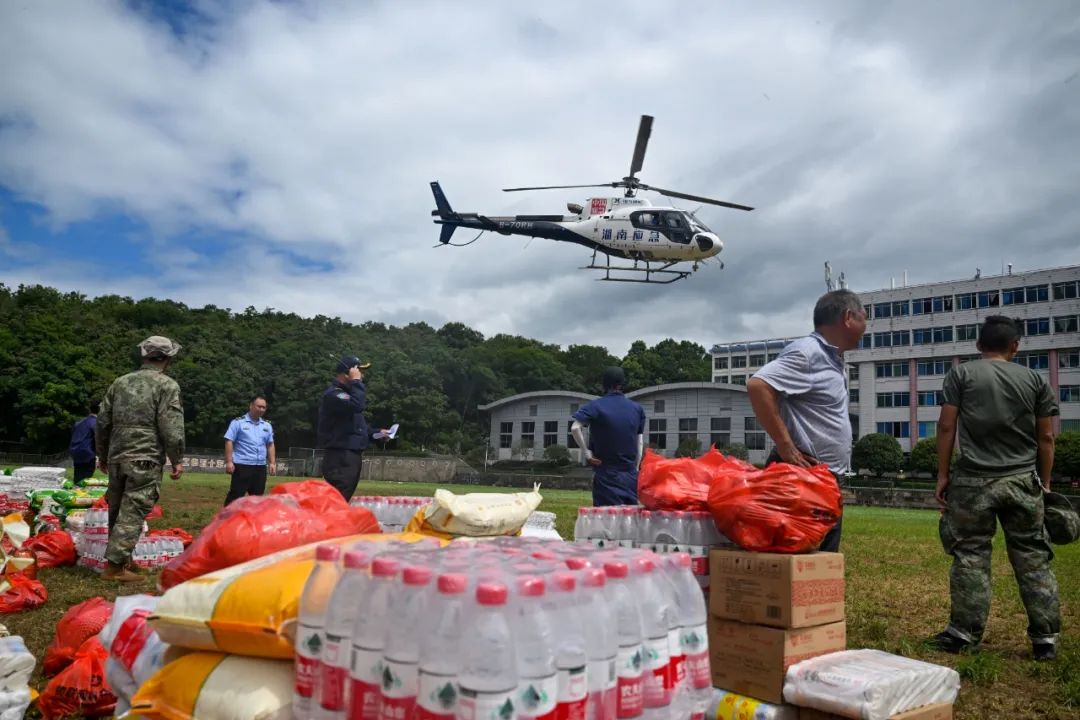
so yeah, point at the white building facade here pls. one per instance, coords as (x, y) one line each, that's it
(915, 334)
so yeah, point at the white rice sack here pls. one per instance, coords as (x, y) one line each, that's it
(16, 664)
(135, 650)
(13, 703)
(868, 684)
(481, 514)
(212, 686)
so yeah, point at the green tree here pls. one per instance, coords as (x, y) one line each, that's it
(923, 457)
(878, 453)
(689, 447)
(557, 455)
(737, 451)
(1067, 454)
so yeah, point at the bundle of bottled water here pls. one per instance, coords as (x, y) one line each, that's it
(393, 513)
(505, 629)
(662, 531)
(31, 478)
(90, 533)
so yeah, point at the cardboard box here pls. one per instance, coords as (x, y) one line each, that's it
(938, 711)
(784, 591)
(753, 659)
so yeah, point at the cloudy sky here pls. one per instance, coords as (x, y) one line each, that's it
(278, 154)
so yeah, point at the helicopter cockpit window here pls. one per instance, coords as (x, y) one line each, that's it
(676, 227)
(696, 224)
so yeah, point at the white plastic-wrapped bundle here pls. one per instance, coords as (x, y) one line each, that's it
(869, 684)
(541, 525)
(732, 706)
(13, 703)
(135, 650)
(16, 666)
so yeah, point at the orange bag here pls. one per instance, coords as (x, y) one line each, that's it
(683, 483)
(80, 689)
(293, 514)
(80, 623)
(783, 508)
(52, 549)
(179, 533)
(19, 592)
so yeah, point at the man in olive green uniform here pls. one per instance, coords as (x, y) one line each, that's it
(140, 423)
(1006, 454)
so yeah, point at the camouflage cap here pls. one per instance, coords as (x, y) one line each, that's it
(158, 346)
(1061, 519)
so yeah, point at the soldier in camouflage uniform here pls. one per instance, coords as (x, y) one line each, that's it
(1005, 412)
(140, 424)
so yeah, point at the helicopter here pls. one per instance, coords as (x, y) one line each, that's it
(657, 239)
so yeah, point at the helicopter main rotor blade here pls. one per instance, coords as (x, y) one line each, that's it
(560, 187)
(696, 198)
(644, 130)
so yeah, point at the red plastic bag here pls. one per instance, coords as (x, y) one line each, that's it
(23, 593)
(783, 508)
(293, 514)
(52, 549)
(155, 513)
(683, 483)
(80, 689)
(80, 623)
(180, 534)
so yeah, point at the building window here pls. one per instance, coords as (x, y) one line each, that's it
(721, 379)
(927, 429)
(551, 433)
(687, 429)
(738, 379)
(1012, 296)
(658, 433)
(755, 440)
(925, 306)
(853, 372)
(1067, 324)
(867, 341)
(506, 435)
(966, 333)
(926, 368)
(532, 410)
(853, 396)
(1037, 326)
(720, 424)
(894, 338)
(893, 399)
(922, 336)
(738, 361)
(896, 308)
(969, 358)
(943, 334)
(658, 406)
(1070, 425)
(988, 298)
(931, 398)
(757, 360)
(1038, 293)
(1069, 393)
(720, 363)
(750, 422)
(1066, 290)
(1033, 360)
(528, 434)
(896, 429)
(1069, 359)
(965, 301)
(888, 370)
(720, 440)
(773, 356)
(574, 407)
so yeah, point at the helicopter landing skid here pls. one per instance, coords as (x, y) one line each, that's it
(662, 275)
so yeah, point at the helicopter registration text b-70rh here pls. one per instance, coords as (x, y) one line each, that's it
(655, 239)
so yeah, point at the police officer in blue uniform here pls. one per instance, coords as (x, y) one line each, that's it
(343, 432)
(616, 441)
(249, 447)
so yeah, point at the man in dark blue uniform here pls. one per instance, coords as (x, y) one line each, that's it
(83, 454)
(343, 431)
(616, 440)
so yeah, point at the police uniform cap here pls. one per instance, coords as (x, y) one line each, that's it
(351, 361)
(158, 346)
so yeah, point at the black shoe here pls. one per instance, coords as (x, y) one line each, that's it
(1044, 651)
(947, 642)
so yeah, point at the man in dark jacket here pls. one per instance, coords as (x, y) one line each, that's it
(343, 432)
(83, 452)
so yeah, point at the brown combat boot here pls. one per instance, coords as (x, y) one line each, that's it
(118, 573)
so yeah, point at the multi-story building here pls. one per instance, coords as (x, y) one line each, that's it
(916, 333)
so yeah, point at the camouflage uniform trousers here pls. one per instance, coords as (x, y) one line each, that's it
(134, 487)
(967, 528)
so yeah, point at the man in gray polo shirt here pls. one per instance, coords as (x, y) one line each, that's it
(801, 397)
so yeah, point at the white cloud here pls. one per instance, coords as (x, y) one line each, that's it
(863, 136)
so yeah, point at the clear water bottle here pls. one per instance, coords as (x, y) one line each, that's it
(602, 643)
(440, 653)
(630, 696)
(534, 642)
(369, 640)
(693, 614)
(488, 680)
(655, 653)
(310, 634)
(571, 651)
(627, 526)
(645, 531)
(331, 692)
(401, 658)
(581, 526)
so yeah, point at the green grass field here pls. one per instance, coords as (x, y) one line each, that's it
(897, 595)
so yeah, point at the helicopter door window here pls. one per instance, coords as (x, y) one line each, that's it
(676, 228)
